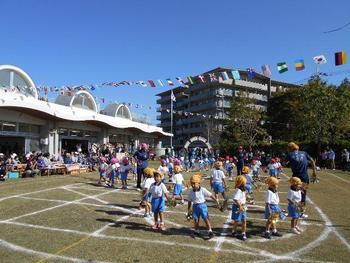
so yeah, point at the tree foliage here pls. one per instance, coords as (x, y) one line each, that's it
(243, 126)
(316, 113)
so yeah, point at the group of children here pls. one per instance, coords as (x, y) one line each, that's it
(155, 192)
(113, 170)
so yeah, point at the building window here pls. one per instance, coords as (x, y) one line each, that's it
(23, 127)
(9, 126)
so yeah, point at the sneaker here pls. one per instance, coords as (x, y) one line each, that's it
(138, 189)
(276, 234)
(244, 237)
(299, 229)
(145, 215)
(211, 234)
(267, 235)
(162, 227)
(234, 234)
(182, 202)
(304, 216)
(294, 231)
(155, 226)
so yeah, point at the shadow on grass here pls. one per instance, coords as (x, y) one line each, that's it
(113, 212)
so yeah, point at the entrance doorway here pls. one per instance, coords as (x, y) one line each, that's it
(10, 145)
(72, 145)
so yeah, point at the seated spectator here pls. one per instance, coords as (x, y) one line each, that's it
(2, 167)
(68, 159)
(31, 168)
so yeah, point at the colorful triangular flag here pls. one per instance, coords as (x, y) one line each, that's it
(299, 65)
(282, 67)
(340, 58)
(235, 74)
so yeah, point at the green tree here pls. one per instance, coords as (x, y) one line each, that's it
(243, 125)
(316, 113)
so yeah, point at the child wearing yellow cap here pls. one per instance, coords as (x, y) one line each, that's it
(294, 201)
(239, 213)
(217, 180)
(272, 209)
(146, 185)
(178, 181)
(197, 197)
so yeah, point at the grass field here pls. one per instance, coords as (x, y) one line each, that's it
(70, 219)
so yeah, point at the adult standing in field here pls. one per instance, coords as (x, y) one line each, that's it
(331, 159)
(240, 156)
(299, 162)
(141, 156)
(345, 159)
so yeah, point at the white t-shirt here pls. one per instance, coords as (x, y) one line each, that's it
(147, 183)
(178, 178)
(217, 176)
(239, 195)
(163, 170)
(294, 196)
(115, 166)
(271, 198)
(198, 197)
(255, 167)
(158, 190)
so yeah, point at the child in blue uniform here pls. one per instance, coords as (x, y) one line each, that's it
(102, 169)
(249, 185)
(239, 214)
(272, 209)
(146, 185)
(124, 171)
(217, 180)
(294, 201)
(197, 197)
(158, 190)
(178, 181)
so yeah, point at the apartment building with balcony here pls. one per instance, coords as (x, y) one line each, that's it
(200, 109)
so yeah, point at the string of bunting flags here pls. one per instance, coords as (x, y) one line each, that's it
(340, 58)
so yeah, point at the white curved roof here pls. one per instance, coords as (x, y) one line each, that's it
(80, 99)
(118, 110)
(16, 77)
(15, 100)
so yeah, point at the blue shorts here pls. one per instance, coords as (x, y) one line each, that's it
(158, 205)
(102, 174)
(218, 187)
(236, 215)
(147, 197)
(248, 188)
(124, 176)
(177, 189)
(293, 211)
(273, 172)
(274, 209)
(200, 210)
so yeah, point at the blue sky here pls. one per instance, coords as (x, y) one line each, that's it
(70, 42)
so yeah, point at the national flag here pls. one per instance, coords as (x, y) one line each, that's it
(213, 77)
(172, 96)
(151, 83)
(299, 65)
(282, 67)
(141, 83)
(340, 58)
(190, 80)
(180, 80)
(201, 77)
(170, 83)
(235, 74)
(224, 75)
(160, 82)
(321, 59)
(251, 73)
(266, 70)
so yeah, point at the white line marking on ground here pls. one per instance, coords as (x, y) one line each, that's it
(161, 242)
(329, 224)
(34, 192)
(21, 249)
(222, 237)
(54, 207)
(344, 180)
